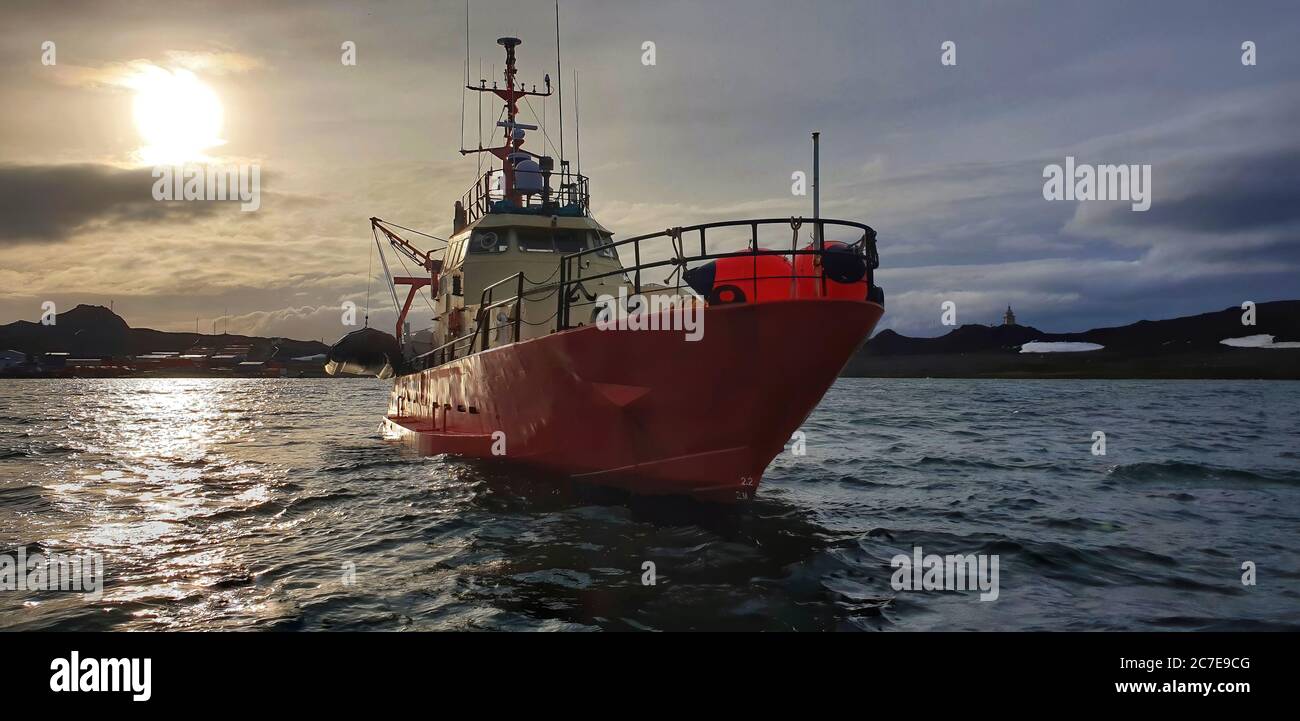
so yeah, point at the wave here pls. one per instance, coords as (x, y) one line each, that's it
(1014, 463)
(1201, 474)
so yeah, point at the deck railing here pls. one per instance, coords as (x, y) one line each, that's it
(465, 345)
(563, 189)
(683, 241)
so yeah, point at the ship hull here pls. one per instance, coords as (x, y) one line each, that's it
(646, 411)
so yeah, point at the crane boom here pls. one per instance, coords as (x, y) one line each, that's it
(422, 258)
(403, 246)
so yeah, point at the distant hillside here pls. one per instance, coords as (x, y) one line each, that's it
(1186, 347)
(94, 331)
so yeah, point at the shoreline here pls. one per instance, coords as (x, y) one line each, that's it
(1230, 364)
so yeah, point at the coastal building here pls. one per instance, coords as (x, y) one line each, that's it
(1009, 318)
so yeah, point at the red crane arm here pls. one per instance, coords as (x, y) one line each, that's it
(403, 246)
(422, 258)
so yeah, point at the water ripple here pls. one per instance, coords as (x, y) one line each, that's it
(273, 504)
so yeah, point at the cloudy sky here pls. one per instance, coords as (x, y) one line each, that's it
(946, 162)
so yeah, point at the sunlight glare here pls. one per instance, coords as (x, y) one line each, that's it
(177, 115)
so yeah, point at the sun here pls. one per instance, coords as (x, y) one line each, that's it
(177, 115)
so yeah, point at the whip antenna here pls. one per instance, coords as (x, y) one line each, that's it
(559, 78)
(577, 119)
(465, 85)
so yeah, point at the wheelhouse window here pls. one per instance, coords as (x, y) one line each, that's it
(488, 242)
(570, 241)
(542, 240)
(455, 254)
(603, 241)
(534, 240)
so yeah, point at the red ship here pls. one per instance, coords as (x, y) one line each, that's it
(679, 362)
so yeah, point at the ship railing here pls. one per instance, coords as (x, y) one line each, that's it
(563, 189)
(449, 351)
(481, 338)
(483, 321)
(684, 245)
(572, 291)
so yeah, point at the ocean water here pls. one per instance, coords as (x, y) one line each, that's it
(274, 504)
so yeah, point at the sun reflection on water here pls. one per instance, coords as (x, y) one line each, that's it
(155, 480)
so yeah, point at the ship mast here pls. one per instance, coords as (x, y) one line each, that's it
(510, 152)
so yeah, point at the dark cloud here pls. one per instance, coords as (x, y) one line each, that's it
(1221, 194)
(51, 202)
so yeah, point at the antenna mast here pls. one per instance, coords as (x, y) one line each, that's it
(817, 187)
(577, 119)
(466, 84)
(510, 151)
(559, 78)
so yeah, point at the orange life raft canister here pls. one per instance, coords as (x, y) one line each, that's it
(742, 279)
(844, 270)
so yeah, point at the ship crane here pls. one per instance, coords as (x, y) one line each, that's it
(406, 248)
(422, 258)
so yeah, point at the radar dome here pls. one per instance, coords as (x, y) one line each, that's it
(528, 177)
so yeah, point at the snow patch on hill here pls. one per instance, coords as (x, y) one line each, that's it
(1058, 347)
(1258, 341)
